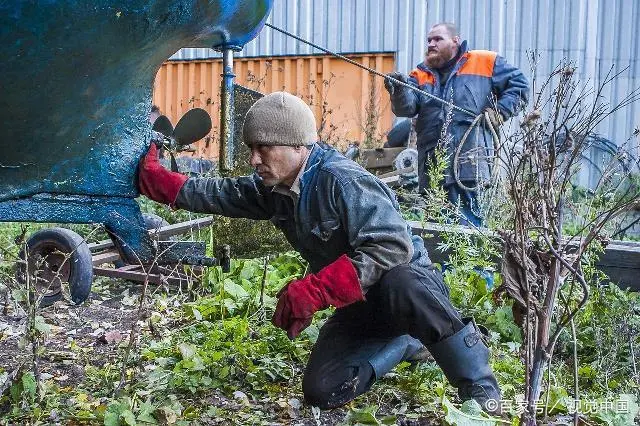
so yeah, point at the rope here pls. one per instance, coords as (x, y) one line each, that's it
(496, 147)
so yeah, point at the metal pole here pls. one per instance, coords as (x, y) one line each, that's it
(227, 126)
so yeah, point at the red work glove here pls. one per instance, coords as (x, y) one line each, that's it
(156, 182)
(336, 284)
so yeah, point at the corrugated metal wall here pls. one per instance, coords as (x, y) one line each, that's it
(597, 34)
(346, 26)
(340, 93)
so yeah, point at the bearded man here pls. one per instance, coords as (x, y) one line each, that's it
(475, 80)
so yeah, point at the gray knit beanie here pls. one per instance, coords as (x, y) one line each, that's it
(280, 119)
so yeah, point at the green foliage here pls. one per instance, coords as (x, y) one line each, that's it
(239, 292)
(224, 354)
(469, 414)
(437, 207)
(608, 338)
(366, 416)
(226, 345)
(607, 326)
(416, 382)
(25, 389)
(621, 412)
(223, 342)
(501, 321)
(121, 412)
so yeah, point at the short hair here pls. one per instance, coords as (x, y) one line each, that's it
(450, 27)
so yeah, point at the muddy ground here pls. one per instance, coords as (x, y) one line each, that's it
(89, 334)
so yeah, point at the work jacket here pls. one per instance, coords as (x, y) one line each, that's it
(341, 209)
(479, 79)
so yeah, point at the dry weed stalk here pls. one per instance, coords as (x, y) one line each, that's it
(544, 269)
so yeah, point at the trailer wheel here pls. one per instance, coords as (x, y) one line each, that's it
(57, 256)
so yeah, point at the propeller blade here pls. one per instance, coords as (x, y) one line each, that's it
(193, 126)
(163, 125)
(174, 163)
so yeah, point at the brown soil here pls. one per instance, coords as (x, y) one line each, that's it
(88, 334)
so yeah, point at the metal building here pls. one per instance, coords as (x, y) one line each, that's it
(598, 35)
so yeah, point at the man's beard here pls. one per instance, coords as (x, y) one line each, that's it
(440, 59)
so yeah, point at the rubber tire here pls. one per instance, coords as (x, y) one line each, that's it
(151, 221)
(79, 264)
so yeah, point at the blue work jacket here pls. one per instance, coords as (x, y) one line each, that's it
(479, 79)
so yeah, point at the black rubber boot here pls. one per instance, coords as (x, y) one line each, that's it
(464, 359)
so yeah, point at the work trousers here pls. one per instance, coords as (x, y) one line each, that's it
(467, 202)
(361, 342)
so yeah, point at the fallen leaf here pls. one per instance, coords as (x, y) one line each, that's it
(110, 337)
(316, 414)
(241, 397)
(294, 408)
(295, 403)
(187, 350)
(98, 332)
(168, 415)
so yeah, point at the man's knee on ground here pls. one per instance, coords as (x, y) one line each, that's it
(328, 391)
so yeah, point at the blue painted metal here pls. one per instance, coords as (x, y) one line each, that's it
(77, 79)
(121, 217)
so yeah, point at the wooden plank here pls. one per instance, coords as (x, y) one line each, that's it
(139, 276)
(129, 267)
(106, 257)
(379, 158)
(395, 173)
(127, 275)
(100, 245)
(391, 181)
(163, 232)
(182, 227)
(620, 261)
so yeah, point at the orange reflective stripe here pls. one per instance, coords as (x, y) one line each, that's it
(423, 77)
(479, 62)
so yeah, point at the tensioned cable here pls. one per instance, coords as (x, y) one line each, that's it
(371, 70)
